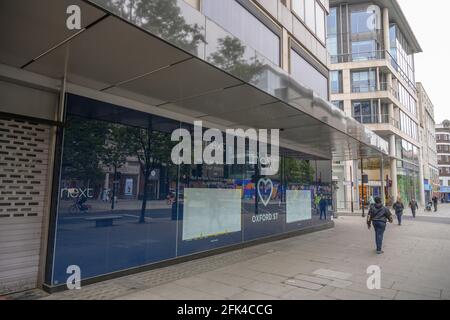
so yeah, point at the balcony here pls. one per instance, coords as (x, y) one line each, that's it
(378, 119)
(374, 56)
(358, 57)
(383, 87)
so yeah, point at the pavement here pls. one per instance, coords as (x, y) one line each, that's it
(327, 265)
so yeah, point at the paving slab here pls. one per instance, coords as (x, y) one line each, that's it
(304, 294)
(345, 294)
(331, 274)
(303, 284)
(225, 278)
(342, 284)
(173, 291)
(209, 286)
(312, 279)
(411, 296)
(382, 293)
(273, 289)
(252, 295)
(429, 292)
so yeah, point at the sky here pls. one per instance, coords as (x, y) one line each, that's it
(429, 21)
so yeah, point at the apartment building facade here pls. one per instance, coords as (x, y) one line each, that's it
(87, 109)
(372, 79)
(443, 155)
(428, 141)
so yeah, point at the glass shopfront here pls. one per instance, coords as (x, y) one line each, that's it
(123, 203)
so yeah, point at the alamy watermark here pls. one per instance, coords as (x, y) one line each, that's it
(74, 280)
(73, 21)
(374, 280)
(248, 146)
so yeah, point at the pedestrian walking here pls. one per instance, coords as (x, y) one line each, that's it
(323, 206)
(414, 207)
(435, 203)
(399, 207)
(317, 200)
(379, 216)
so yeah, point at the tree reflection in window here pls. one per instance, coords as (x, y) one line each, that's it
(153, 150)
(163, 18)
(230, 57)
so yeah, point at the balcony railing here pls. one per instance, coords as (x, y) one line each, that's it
(378, 119)
(384, 86)
(357, 57)
(364, 88)
(370, 56)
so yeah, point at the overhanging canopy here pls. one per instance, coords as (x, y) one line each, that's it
(114, 56)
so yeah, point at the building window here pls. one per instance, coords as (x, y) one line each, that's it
(407, 100)
(336, 82)
(409, 126)
(338, 104)
(307, 75)
(313, 15)
(402, 56)
(320, 23)
(360, 21)
(244, 25)
(366, 112)
(298, 6)
(364, 81)
(364, 50)
(332, 35)
(310, 14)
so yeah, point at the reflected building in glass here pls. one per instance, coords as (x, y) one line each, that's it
(371, 48)
(88, 176)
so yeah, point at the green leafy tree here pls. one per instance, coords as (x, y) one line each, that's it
(230, 56)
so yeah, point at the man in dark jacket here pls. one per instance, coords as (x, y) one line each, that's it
(399, 207)
(379, 215)
(435, 203)
(414, 207)
(323, 206)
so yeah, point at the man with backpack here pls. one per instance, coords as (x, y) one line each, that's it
(379, 216)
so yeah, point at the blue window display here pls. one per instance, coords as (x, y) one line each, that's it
(124, 204)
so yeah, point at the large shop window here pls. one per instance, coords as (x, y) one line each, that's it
(307, 75)
(237, 20)
(123, 203)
